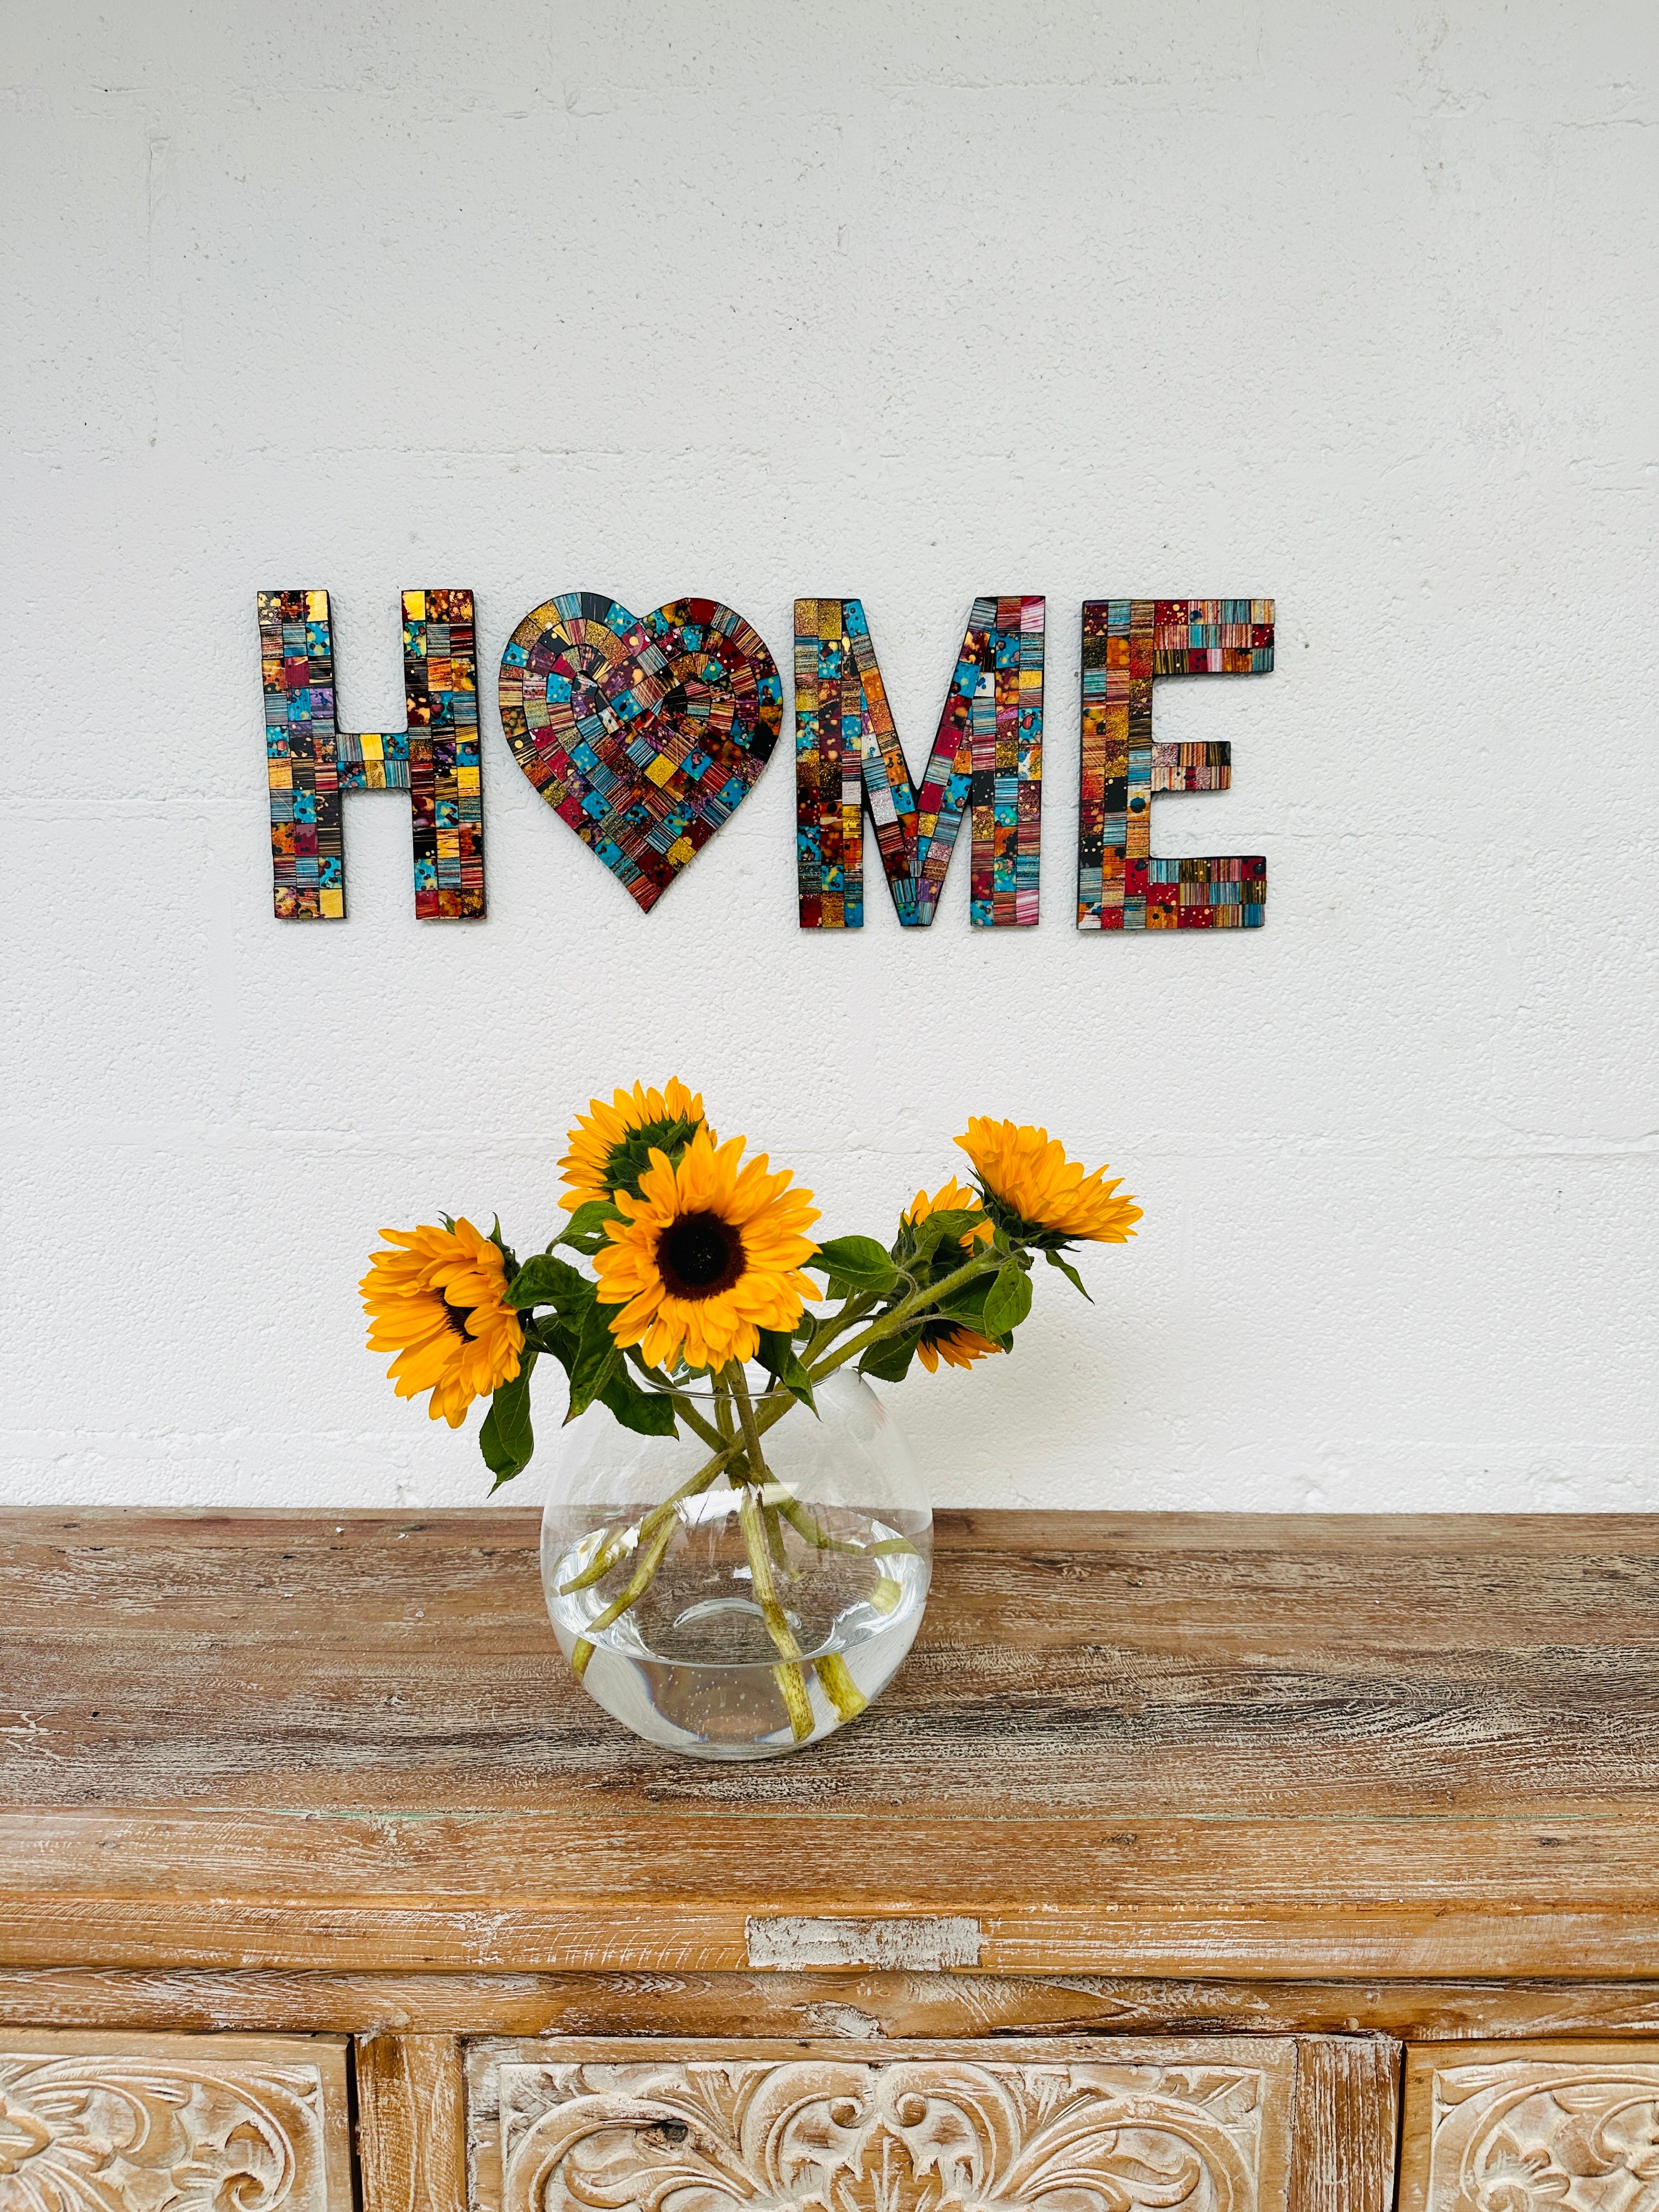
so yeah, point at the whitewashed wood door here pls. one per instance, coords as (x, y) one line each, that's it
(1162, 2126)
(112, 2122)
(1539, 2127)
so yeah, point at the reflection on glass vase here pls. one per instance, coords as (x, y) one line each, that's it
(750, 1611)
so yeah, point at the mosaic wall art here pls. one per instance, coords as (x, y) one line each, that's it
(987, 762)
(1127, 644)
(310, 762)
(644, 733)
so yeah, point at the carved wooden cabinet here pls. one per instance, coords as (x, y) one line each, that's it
(173, 2123)
(1199, 1864)
(1572, 2127)
(803, 2128)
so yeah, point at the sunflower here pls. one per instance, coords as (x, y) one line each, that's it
(437, 1300)
(1046, 1199)
(610, 1145)
(705, 1256)
(952, 1341)
(952, 1197)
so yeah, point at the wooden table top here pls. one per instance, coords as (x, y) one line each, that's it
(1156, 1744)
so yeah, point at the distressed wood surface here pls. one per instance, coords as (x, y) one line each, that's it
(173, 2123)
(1138, 2126)
(1167, 1661)
(411, 2123)
(1182, 1745)
(1346, 2106)
(1491, 2128)
(863, 2008)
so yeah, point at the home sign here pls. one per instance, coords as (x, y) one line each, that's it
(645, 733)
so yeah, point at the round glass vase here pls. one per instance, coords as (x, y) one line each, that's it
(700, 1661)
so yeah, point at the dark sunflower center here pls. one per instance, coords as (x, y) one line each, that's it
(455, 1316)
(699, 1255)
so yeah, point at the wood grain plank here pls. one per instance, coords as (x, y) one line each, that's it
(1435, 1900)
(1177, 1664)
(1015, 1871)
(860, 2008)
(386, 1936)
(1191, 1745)
(1347, 2098)
(411, 2123)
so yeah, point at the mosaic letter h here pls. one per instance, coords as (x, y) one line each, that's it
(310, 762)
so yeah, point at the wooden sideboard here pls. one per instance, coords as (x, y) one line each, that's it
(1213, 1864)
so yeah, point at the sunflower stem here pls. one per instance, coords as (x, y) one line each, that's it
(828, 1327)
(842, 1691)
(601, 1564)
(724, 1419)
(892, 1324)
(638, 1584)
(684, 1407)
(694, 1421)
(800, 1519)
(751, 1518)
(693, 1486)
(775, 1536)
(789, 1677)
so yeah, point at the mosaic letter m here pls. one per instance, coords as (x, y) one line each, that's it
(986, 760)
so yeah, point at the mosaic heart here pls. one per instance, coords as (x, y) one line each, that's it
(643, 732)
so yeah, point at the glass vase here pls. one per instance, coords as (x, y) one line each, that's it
(769, 1607)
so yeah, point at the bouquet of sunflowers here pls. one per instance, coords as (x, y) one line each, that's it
(702, 1265)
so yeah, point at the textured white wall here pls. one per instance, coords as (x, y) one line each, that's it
(1353, 305)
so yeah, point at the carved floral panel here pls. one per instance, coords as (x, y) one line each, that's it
(1530, 2135)
(1183, 2128)
(84, 2128)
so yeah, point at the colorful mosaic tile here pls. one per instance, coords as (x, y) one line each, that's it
(310, 762)
(1127, 645)
(986, 761)
(643, 733)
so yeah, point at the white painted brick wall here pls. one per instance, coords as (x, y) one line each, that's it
(1353, 305)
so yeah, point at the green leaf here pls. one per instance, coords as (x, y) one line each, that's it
(584, 1231)
(599, 1360)
(1068, 1270)
(959, 1223)
(506, 1438)
(967, 1304)
(857, 1260)
(647, 1412)
(1008, 1300)
(921, 1239)
(550, 1334)
(781, 1360)
(891, 1361)
(544, 1279)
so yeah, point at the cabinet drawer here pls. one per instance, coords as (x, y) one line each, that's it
(1201, 2123)
(173, 2123)
(1572, 2127)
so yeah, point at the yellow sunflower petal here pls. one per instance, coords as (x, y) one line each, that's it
(1028, 1172)
(590, 1168)
(709, 1255)
(952, 1197)
(437, 1299)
